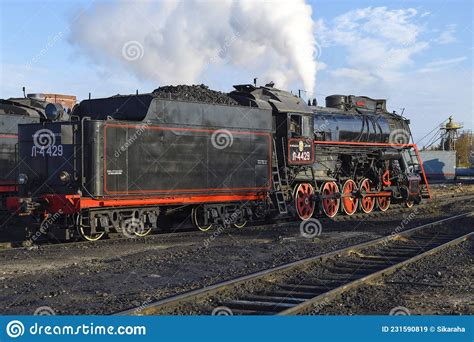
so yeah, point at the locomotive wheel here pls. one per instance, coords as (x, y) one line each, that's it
(383, 203)
(367, 203)
(143, 233)
(88, 236)
(197, 215)
(303, 199)
(241, 224)
(349, 204)
(409, 204)
(330, 205)
(85, 231)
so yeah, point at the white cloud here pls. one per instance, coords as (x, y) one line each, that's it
(379, 42)
(442, 64)
(448, 35)
(379, 48)
(177, 42)
(362, 76)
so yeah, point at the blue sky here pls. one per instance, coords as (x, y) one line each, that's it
(418, 54)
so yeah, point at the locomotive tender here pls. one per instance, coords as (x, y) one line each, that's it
(123, 162)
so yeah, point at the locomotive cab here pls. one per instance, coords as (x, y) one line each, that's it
(300, 138)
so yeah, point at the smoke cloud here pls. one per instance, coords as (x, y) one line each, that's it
(173, 42)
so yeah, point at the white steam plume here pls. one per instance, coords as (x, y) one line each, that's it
(175, 42)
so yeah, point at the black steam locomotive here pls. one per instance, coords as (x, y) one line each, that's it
(123, 162)
(33, 108)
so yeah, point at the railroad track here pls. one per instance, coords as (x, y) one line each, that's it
(117, 238)
(400, 208)
(300, 286)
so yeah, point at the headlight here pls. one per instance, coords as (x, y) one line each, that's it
(64, 177)
(22, 179)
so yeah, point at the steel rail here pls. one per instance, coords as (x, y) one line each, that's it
(364, 280)
(195, 295)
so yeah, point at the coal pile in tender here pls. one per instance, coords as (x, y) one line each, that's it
(198, 93)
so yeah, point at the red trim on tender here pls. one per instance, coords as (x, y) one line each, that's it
(69, 204)
(268, 135)
(13, 204)
(8, 188)
(9, 136)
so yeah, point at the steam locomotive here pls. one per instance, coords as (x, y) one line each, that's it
(123, 162)
(33, 108)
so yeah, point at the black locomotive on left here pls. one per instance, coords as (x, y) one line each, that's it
(33, 108)
(122, 162)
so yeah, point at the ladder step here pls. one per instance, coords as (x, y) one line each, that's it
(278, 184)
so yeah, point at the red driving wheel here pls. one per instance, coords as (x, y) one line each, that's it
(304, 203)
(349, 203)
(383, 203)
(330, 204)
(367, 203)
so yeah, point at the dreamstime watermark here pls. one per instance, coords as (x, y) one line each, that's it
(44, 227)
(222, 311)
(318, 50)
(133, 50)
(221, 228)
(311, 228)
(320, 129)
(143, 305)
(44, 311)
(221, 139)
(132, 226)
(318, 307)
(51, 42)
(403, 225)
(15, 329)
(44, 138)
(400, 311)
(399, 136)
(222, 51)
(139, 131)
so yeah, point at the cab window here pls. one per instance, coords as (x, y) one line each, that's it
(299, 125)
